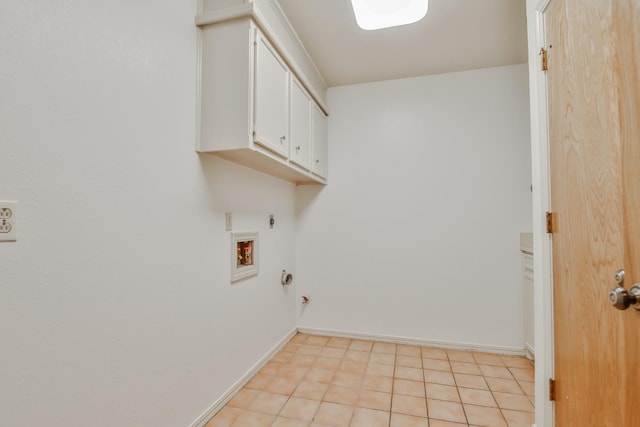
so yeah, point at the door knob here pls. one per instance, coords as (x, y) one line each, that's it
(620, 298)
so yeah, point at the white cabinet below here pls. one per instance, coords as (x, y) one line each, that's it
(253, 110)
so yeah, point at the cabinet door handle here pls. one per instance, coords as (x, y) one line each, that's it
(282, 138)
(298, 148)
(317, 161)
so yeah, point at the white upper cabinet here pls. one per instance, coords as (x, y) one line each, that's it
(271, 115)
(300, 125)
(255, 109)
(319, 165)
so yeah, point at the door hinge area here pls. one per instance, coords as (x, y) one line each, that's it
(550, 221)
(544, 59)
(552, 389)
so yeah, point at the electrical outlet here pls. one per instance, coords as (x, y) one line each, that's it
(8, 221)
(6, 213)
(5, 226)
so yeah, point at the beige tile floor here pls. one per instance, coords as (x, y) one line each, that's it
(318, 381)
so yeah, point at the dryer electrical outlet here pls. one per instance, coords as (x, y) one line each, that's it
(8, 221)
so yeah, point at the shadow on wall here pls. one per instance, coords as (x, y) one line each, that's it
(306, 195)
(235, 188)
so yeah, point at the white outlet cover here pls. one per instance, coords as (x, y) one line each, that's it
(8, 221)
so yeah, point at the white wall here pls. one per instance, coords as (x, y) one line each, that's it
(115, 302)
(417, 234)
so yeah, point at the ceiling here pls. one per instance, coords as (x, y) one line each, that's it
(455, 35)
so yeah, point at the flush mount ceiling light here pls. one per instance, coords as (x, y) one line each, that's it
(376, 14)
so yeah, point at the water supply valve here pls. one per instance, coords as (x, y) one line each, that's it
(287, 278)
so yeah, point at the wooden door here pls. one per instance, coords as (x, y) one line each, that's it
(594, 131)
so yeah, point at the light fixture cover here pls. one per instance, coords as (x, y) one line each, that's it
(376, 14)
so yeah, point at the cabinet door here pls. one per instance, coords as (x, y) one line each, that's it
(300, 122)
(319, 142)
(271, 106)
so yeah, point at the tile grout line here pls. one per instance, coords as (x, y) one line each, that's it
(361, 384)
(493, 395)
(329, 386)
(464, 411)
(497, 404)
(393, 382)
(484, 377)
(424, 384)
(290, 396)
(512, 378)
(294, 390)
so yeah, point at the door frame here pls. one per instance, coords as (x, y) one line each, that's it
(543, 257)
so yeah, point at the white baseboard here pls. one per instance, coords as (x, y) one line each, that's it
(219, 404)
(530, 353)
(512, 351)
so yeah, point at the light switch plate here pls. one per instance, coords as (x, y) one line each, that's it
(8, 221)
(227, 221)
